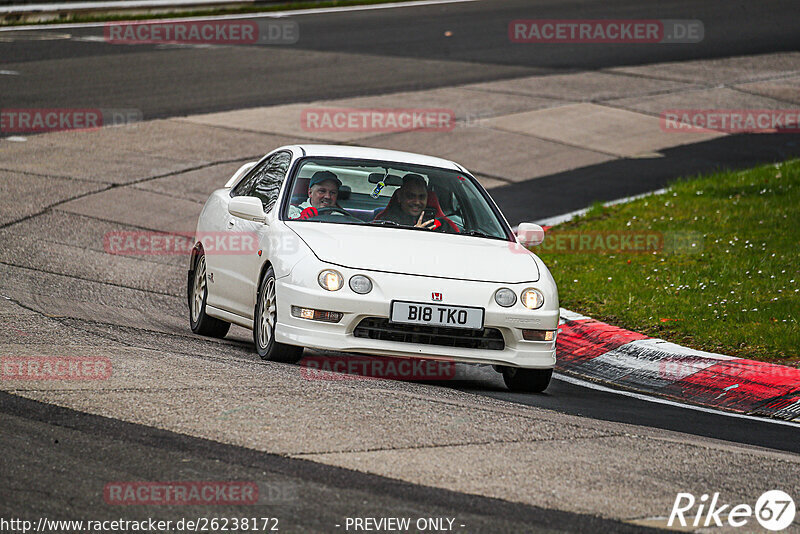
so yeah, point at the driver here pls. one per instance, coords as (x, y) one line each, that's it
(323, 190)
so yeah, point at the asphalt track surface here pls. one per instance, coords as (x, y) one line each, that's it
(356, 53)
(353, 54)
(57, 461)
(568, 398)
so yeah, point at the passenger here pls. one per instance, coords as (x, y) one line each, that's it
(407, 206)
(323, 190)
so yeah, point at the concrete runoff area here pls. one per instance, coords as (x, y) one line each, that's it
(62, 295)
(602, 129)
(785, 89)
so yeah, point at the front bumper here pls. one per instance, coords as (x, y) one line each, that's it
(300, 289)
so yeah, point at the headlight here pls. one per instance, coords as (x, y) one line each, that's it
(505, 297)
(532, 299)
(330, 280)
(361, 284)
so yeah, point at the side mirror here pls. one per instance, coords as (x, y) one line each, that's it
(530, 235)
(249, 208)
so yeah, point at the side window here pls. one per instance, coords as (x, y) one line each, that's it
(246, 184)
(265, 180)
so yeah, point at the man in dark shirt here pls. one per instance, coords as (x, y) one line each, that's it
(408, 203)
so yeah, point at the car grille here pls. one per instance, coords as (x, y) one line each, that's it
(381, 328)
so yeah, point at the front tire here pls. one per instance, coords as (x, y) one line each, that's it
(198, 293)
(264, 323)
(527, 380)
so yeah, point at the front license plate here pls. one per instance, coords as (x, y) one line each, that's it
(437, 315)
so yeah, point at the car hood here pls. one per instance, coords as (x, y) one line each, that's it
(395, 250)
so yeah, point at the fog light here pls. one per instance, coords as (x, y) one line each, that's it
(361, 284)
(538, 335)
(505, 297)
(532, 298)
(330, 280)
(317, 315)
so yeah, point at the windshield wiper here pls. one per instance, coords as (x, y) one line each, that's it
(478, 233)
(386, 222)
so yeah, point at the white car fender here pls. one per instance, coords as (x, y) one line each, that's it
(546, 284)
(287, 249)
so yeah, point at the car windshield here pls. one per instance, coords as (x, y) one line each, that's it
(346, 191)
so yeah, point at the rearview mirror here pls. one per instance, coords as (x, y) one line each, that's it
(249, 208)
(530, 235)
(392, 179)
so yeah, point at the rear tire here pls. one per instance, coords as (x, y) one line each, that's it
(198, 293)
(265, 319)
(527, 380)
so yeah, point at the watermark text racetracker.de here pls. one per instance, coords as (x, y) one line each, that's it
(55, 368)
(148, 243)
(616, 242)
(365, 367)
(181, 493)
(213, 32)
(377, 119)
(150, 525)
(676, 368)
(633, 31)
(40, 120)
(731, 120)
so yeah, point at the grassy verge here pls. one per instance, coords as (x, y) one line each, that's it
(262, 8)
(727, 278)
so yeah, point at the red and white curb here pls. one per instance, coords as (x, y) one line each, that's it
(600, 352)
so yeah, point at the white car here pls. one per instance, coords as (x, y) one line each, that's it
(356, 276)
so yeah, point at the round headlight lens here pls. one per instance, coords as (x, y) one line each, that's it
(361, 284)
(505, 297)
(532, 299)
(330, 280)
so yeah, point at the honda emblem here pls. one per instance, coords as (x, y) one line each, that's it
(436, 296)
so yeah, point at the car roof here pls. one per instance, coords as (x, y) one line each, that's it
(358, 152)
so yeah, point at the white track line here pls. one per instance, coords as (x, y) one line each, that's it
(268, 14)
(558, 219)
(657, 400)
(119, 4)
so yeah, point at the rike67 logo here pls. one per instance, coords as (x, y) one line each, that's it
(774, 510)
